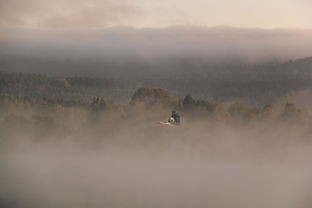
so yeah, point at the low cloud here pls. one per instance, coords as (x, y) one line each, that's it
(248, 45)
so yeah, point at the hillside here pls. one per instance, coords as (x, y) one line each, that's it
(252, 83)
(65, 90)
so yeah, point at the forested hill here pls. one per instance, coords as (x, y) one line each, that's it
(65, 90)
(255, 83)
(262, 84)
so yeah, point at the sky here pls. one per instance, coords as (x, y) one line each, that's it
(99, 14)
(153, 31)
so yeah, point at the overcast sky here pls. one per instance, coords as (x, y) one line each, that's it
(90, 14)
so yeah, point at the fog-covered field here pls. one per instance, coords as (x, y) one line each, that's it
(137, 162)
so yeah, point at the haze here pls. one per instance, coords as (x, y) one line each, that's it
(86, 14)
(92, 93)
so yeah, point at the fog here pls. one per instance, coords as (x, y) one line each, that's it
(134, 161)
(201, 42)
(124, 51)
(71, 135)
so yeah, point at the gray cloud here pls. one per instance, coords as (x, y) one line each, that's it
(206, 43)
(123, 51)
(65, 13)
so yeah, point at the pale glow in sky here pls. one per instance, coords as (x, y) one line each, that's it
(240, 13)
(90, 14)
